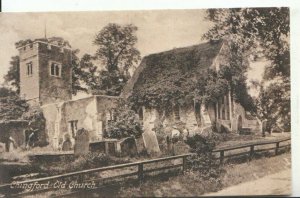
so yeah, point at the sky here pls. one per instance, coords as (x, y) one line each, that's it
(157, 30)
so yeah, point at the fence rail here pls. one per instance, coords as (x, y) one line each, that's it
(251, 147)
(140, 170)
(79, 175)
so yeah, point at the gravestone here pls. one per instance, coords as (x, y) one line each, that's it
(67, 145)
(81, 142)
(128, 147)
(149, 135)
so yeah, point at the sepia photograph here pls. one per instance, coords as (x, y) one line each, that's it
(146, 103)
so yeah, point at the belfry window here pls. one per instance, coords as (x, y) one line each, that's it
(176, 112)
(55, 69)
(29, 69)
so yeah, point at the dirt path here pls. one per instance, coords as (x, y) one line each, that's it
(275, 184)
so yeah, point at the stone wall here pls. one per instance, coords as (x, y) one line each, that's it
(40, 85)
(54, 88)
(88, 113)
(29, 86)
(238, 110)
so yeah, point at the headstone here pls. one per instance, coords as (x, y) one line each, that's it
(140, 145)
(67, 145)
(128, 146)
(149, 135)
(81, 142)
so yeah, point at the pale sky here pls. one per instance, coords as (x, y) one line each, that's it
(157, 30)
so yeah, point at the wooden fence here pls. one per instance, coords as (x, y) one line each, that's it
(139, 167)
(86, 175)
(251, 150)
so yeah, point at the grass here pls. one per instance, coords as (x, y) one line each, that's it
(191, 184)
(235, 139)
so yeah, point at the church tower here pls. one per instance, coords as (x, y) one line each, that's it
(45, 71)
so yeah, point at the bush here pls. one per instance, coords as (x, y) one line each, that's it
(126, 124)
(37, 123)
(204, 161)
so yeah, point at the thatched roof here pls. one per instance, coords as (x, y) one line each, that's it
(173, 70)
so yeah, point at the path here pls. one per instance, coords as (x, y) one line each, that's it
(275, 184)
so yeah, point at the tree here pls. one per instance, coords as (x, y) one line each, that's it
(12, 106)
(116, 47)
(273, 104)
(12, 77)
(117, 52)
(78, 73)
(258, 32)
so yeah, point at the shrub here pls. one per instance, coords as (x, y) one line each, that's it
(204, 161)
(37, 123)
(126, 124)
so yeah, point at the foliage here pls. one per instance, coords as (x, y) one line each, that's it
(12, 77)
(37, 123)
(100, 82)
(203, 161)
(183, 76)
(169, 78)
(77, 73)
(126, 123)
(274, 105)
(72, 163)
(261, 31)
(107, 71)
(258, 32)
(12, 106)
(116, 47)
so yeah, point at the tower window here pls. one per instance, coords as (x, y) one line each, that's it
(176, 112)
(29, 69)
(55, 69)
(73, 127)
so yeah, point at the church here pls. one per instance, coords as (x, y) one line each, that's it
(46, 80)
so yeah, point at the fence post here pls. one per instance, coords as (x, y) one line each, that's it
(277, 148)
(221, 157)
(251, 152)
(183, 163)
(140, 172)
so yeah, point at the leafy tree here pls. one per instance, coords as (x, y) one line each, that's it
(253, 33)
(12, 106)
(263, 31)
(117, 52)
(273, 105)
(12, 77)
(98, 81)
(78, 73)
(116, 47)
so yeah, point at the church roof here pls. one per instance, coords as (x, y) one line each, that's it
(173, 70)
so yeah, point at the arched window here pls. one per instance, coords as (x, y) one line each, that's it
(52, 69)
(29, 69)
(55, 69)
(176, 112)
